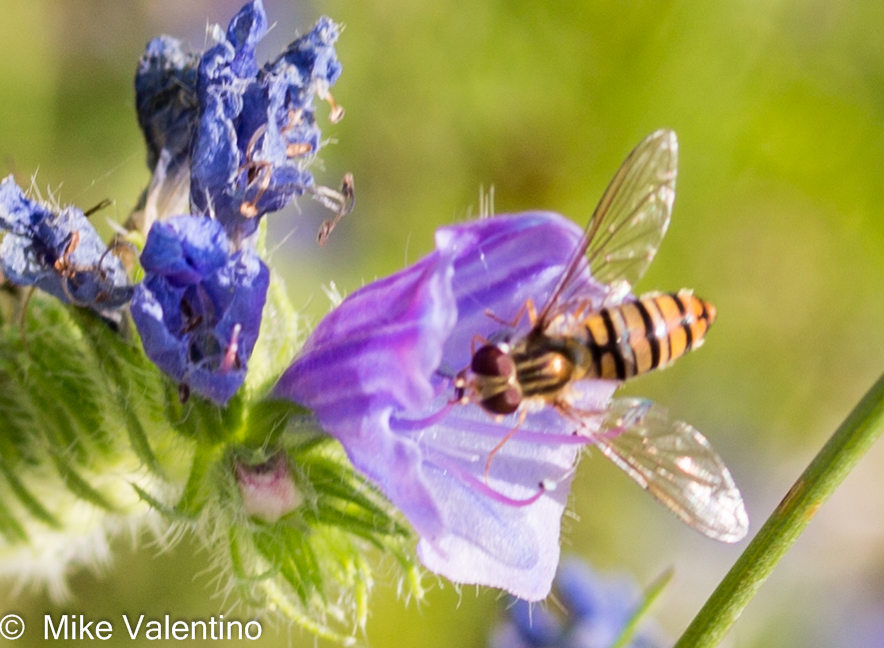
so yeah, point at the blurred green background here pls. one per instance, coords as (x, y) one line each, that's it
(779, 220)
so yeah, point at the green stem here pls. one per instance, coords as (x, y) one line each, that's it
(824, 474)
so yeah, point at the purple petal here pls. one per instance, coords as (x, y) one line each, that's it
(185, 250)
(512, 259)
(488, 542)
(372, 356)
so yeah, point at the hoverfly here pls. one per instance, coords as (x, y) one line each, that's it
(572, 341)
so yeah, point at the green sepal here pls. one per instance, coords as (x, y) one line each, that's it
(268, 418)
(197, 490)
(310, 564)
(26, 498)
(79, 486)
(10, 527)
(169, 512)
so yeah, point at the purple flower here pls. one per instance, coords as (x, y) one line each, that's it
(378, 373)
(594, 613)
(198, 309)
(60, 253)
(249, 132)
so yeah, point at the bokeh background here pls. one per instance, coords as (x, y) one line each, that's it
(779, 220)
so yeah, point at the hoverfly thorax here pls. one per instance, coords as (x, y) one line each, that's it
(545, 365)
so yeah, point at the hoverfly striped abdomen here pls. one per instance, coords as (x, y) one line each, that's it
(639, 336)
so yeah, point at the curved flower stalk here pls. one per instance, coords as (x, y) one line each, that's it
(378, 373)
(593, 612)
(235, 136)
(96, 439)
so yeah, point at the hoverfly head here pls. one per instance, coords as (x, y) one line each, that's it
(495, 379)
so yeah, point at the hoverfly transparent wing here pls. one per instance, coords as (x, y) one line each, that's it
(627, 226)
(633, 215)
(675, 464)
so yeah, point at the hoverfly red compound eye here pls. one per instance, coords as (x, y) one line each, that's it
(504, 402)
(491, 361)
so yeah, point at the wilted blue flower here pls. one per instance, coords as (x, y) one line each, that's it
(248, 132)
(378, 371)
(59, 253)
(165, 99)
(198, 309)
(594, 613)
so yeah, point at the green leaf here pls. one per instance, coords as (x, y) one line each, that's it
(651, 594)
(170, 513)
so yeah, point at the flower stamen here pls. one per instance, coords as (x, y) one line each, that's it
(543, 487)
(337, 111)
(231, 359)
(412, 425)
(341, 202)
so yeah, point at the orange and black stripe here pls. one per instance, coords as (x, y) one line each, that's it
(639, 336)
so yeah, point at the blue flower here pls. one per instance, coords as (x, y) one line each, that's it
(594, 613)
(60, 253)
(198, 309)
(249, 132)
(166, 101)
(378, 373)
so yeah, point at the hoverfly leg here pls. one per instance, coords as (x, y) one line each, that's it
(502, 442)
(584, 308)
(481, 340)
(527, 308)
